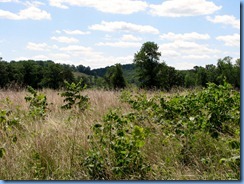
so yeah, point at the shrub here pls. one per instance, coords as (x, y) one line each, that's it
(73, 97)
(38, 103)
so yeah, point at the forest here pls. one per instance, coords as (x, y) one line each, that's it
(155, 75)
(140, 121)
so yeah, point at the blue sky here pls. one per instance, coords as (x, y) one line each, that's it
(99, 33)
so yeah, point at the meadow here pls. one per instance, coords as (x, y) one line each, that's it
(130, 134)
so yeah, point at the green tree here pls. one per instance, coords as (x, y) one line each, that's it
(4, 79)
(225, 70)
(114, 77)
(201, 76)
(147, 62)
(211, 73)
(237, 73)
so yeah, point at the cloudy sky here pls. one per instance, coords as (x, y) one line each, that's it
(99, 33)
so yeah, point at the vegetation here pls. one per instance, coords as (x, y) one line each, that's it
(114, 77)
(140, 121)
(73, 97)
(147, 74)
(190, 135)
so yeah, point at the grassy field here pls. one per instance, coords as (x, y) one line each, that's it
(64, 145)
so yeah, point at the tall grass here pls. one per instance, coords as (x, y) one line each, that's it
(54, 148)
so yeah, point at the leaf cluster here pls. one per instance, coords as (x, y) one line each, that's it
(38, 103)
(73, 96)
(116, 149)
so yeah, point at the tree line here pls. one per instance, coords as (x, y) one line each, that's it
(153, 74)
(37, 74)
(146, 72)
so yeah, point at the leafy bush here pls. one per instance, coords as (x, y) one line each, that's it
(73, 97)
(38, 103)
(213, 113)
(116, 149)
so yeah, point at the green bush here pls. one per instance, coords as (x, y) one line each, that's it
(38, 103)
(116, 149)
(73, 97)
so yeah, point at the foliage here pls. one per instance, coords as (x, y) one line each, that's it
(213, 111)
(147, 62)
(37, 74)
(8, 124)
(147, 71)
(73, 97)
(38, 103)
(114, 77)
(116, 149)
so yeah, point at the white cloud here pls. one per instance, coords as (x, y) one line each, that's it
(169, 53)
(60, 56)
(123, 26)
(230, 40)
(76, 48)
(37, 57)
(37, 46)
(9, 1)
(225, 19)
(58, 4)
(179, 8)
(8, 15)
(40, 57)
(103, 61)
(120, 44)
(187, 47)
(80, 51)
(185, 36)
(33, 13)
(64, 39)
(185, 51)
(129, 37)
(76, 32)
(107, 6)
(196, 57)
(33, 3)
(58, 32)
(184, 65)
(40, 46)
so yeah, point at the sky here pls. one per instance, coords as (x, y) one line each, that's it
(100, 33)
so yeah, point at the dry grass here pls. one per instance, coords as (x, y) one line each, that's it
(55, 142)
(54, 147)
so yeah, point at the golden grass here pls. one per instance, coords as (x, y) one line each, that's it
(58, 139)
(54, 147)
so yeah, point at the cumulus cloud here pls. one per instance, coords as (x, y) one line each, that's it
(179, 8)
(120, 44)
(64, 39)
(40, 46)
(225, 19)
(184, 65)
(123, 26)
(37, 46)
(33, 13)
(129, 37)
(230, 40)
(76, 32)
(9, 1)
(182, 51)
(107, 6)
(185, 36)
(101, 60)
(80, 51)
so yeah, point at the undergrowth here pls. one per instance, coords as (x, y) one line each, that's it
(126, 135)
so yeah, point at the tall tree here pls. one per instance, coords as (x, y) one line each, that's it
(147, 62)
(115, 78)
